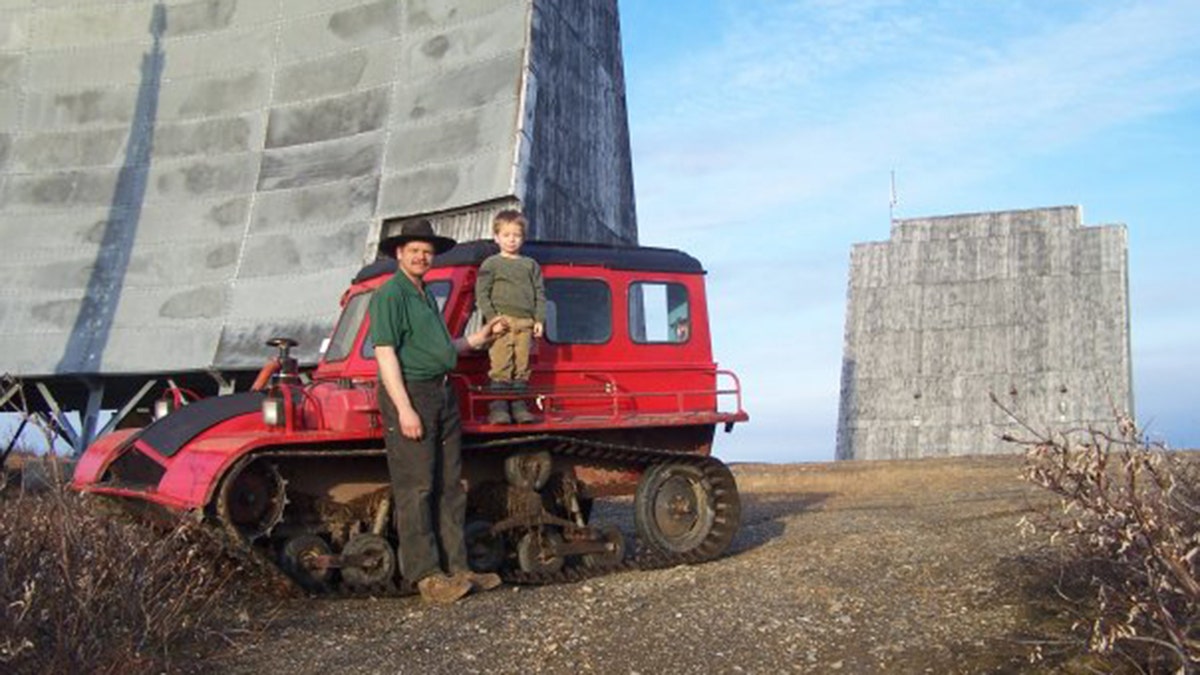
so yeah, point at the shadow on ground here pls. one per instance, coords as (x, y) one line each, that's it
(765, 515)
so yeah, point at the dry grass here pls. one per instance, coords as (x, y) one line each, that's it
(1125, 537)
(858, 479)
(81, 591)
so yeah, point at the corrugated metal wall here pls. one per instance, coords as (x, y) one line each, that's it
(181, 180)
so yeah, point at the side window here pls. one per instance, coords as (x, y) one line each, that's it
(440, 291)
(578, 311)
(474, 322)
(343, 337)
(659, 312)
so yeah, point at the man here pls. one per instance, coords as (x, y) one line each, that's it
(415, 353)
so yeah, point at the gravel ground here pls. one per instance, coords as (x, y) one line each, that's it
(849, 567)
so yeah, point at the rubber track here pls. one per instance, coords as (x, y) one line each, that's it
(727, 507)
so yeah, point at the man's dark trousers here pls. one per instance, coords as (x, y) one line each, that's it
(430, 504)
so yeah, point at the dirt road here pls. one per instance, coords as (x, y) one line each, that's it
(904, 567)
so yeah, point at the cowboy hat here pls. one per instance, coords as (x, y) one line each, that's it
(397, 233)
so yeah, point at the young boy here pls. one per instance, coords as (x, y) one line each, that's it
(510, 285)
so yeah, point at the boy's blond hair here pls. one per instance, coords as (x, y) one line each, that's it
(508, 216)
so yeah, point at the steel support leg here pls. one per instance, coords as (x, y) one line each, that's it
(89, 417)
(58, 420)
(125, 409)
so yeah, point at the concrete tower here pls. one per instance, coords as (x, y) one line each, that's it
(1030, 305)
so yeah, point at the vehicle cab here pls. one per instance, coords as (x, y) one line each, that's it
(626, 341)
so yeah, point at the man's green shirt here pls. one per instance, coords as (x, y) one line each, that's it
(404, 319)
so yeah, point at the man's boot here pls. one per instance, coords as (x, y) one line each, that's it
(498, 413)
(480, 581)
(439, 589)
(521, 413)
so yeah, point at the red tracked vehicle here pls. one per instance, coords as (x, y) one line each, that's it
(624, 386)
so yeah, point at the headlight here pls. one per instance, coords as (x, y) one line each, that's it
(273, 412)
(163, 407)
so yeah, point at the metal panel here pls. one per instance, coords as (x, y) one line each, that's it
(181, 180)
(577, 100)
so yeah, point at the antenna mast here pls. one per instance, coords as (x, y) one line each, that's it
(892, 201)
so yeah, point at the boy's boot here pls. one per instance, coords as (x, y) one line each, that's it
(520, 410)
(498, 413)
(521, 413)
(498, 409)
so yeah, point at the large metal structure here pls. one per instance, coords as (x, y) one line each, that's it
(1028, 305)
(181, 180)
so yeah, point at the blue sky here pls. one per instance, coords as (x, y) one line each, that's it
(764, 134)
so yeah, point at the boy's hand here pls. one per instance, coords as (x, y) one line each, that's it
(497, 326)
(538, 329)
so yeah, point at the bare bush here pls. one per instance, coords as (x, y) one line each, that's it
(1128, 526)
(82, 591)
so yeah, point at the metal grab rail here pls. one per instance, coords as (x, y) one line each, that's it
(608, 390)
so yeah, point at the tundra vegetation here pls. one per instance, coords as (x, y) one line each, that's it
(84, 587)
(84, 591)
(1122, 547)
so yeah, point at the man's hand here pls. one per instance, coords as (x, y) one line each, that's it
(538, 329)
(483, 337)
(496, 327)
(410, 423)
(393, 382)
(487, 334)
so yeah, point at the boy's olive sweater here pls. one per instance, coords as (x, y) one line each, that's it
(512, 287)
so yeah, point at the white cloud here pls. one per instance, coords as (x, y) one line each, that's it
(743, 120)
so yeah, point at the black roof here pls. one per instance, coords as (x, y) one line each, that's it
(637, 258)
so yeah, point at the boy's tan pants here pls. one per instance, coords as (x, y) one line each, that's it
(509, 354)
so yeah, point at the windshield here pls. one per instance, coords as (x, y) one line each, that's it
(342, 340)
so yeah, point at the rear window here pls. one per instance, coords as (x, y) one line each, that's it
(659, 312)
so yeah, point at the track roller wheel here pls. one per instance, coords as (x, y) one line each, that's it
(687, 509)
(251, 499)
(368, 561)
(485, 551)
(528, 469)
(616, 549)
(300, 558)
(536, 552)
